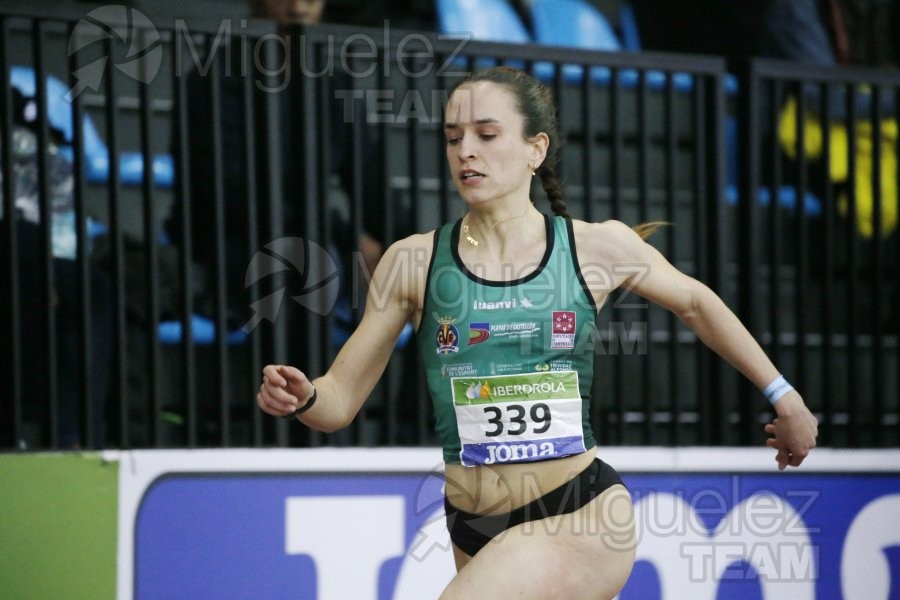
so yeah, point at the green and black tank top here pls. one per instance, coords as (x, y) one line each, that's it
(509, 364)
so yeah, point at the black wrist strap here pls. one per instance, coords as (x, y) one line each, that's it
(305, 407)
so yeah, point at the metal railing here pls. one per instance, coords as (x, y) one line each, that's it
(352, 119)
(818, 264)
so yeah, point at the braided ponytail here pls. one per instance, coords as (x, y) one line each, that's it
(553, 189)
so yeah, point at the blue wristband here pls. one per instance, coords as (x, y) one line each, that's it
(778, 388)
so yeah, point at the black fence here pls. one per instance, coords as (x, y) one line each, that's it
(818, 275)
(139, 310)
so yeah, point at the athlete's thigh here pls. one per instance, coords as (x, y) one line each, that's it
(586, 554)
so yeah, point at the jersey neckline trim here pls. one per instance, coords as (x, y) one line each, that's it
(548, 250)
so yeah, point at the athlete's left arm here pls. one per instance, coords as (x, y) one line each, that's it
(639, 267)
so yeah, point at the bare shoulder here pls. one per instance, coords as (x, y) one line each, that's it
(606, 242)
(612, 254)
(403, 268)
(413, 251)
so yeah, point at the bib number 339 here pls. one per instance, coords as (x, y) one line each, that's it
(518, 418)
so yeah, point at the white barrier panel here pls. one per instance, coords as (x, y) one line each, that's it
(333, 524)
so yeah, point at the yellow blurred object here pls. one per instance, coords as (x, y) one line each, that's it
(865, 194)
(787, 131)
(839, 167)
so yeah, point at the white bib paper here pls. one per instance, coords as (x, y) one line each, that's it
(518, 418)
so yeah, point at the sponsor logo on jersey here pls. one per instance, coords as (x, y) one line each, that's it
(520, 387)
(528, 389)
(502, 304)
(446, 338)
(498, 368)
(458, 370)
(479, 332)
(478, 390)
(555, 365)
(563, 335)
(528, 329)
(521, 452)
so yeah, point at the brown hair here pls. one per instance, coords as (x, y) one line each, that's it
(535, 103)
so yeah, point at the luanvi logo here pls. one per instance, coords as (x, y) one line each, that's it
(502, 304)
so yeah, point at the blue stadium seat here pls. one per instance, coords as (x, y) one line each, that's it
(483, 20)
(131, 169)
(59, 112)
(787, 199)
(203, 332)
(577, 24)
(631, 37)
(59, 115)
(488, 20)
(786, 194)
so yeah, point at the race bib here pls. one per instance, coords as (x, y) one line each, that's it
(518, 418)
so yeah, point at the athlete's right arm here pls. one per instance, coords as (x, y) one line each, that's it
(395, 295)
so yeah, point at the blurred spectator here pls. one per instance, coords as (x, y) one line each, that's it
(65, 294)
(399, 14)
(342, 239)
(795, 30)
(233, 147)
(872, 29)
(811, 31)
(720, 27)
(288, 12)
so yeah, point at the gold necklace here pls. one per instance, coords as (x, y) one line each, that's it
(472, 240)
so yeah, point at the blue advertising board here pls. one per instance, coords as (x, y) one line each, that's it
(380, 534)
